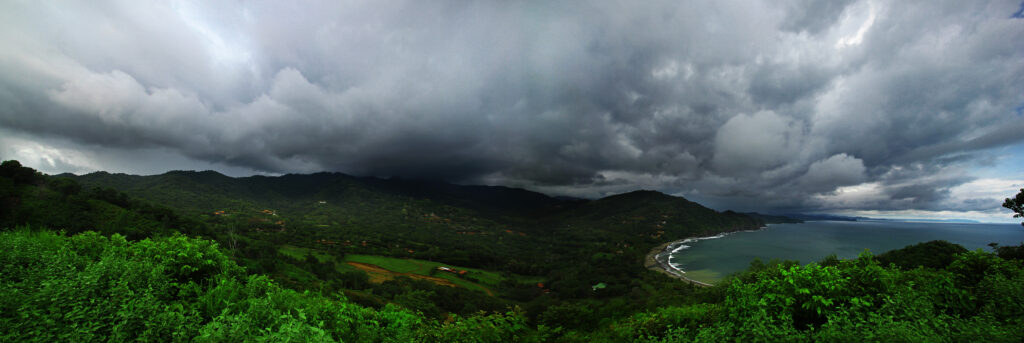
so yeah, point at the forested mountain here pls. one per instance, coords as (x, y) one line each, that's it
(477, 226)
(319, 231)
(28, 197)
(199, 256)
(205, 190)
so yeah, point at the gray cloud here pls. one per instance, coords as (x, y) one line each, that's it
(740, 104)
(812, 16)
(837, 170)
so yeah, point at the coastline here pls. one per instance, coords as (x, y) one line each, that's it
(657, 260)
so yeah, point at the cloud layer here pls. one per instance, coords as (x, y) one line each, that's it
(793, 105)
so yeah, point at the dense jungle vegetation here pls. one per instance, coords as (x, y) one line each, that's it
(198, 256)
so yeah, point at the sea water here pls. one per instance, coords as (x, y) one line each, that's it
(709, 260)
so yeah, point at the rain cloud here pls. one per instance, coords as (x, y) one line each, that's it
(778, 106)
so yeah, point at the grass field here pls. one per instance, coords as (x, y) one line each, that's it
(422, 267)
(483, 278)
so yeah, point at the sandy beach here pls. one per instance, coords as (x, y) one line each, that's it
(657, 260)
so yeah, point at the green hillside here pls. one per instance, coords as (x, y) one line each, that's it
(474, 226)
(199, 256)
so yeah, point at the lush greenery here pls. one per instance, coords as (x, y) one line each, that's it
(89, 287)
(1016, 204)
(518, 248)
(509, 240)
(27, 196)
(979, 297)
(92, 287)
(329, 257)
(934, 254)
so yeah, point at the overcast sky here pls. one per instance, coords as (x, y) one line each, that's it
(880, 108)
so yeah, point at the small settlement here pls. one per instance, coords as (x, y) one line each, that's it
(451, 270)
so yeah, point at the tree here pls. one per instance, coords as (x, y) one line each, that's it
(21, 175)
(66, 186)
(1016, 205)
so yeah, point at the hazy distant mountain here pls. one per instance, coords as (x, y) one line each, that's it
(774, 219)
(817, 216)
(952, 220)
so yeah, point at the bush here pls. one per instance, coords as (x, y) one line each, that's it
(89, 287)
(978, 297)
(933, 254)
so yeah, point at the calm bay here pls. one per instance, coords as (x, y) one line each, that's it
(709, 260)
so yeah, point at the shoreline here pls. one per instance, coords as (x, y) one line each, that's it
(657, 260)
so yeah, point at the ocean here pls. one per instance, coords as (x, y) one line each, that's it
(710, 260)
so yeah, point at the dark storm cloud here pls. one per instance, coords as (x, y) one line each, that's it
(747, 105)
(812, 16)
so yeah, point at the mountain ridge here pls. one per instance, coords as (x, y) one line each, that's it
(329, 185)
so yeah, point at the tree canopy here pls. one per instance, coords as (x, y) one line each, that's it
(1016, 204)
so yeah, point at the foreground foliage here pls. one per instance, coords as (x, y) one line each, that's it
(978, 297)
(90, 287)
(94, 288)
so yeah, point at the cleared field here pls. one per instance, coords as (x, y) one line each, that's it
(382, 268)
(378, 274)
(421, 267)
